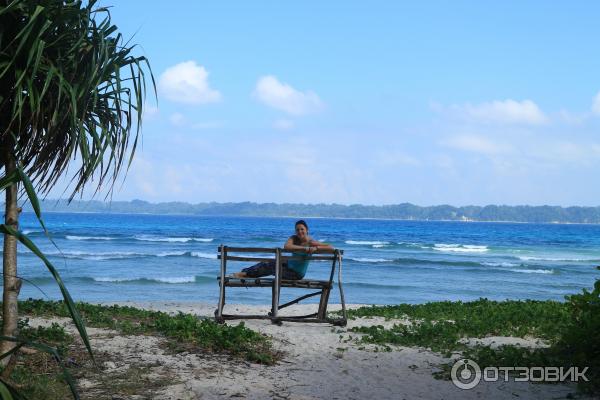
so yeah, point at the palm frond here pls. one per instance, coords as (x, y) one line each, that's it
(76, 92)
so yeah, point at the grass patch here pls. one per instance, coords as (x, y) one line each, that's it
(570, 328)
(186, 331)
(38, 375)
(440, 325)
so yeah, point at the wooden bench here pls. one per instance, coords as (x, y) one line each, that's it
(323, 287)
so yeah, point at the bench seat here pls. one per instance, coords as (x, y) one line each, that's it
(268, 282)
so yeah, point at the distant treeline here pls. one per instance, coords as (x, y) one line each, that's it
(405, 211)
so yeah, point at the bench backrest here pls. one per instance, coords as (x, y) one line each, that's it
(227, 250)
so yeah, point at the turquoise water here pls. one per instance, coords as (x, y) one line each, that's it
(109, 257)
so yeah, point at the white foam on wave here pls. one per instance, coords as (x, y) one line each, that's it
(378, 246)
(28, 231)
(533, 271)
(566, 259)
(460, 248)
(412, 244)
(366, 242)
(203, 255)
(97, 256)
(71, 237)
(370, 260)
(145, 238)
(173, 279)
(500, 264)
(171, 253)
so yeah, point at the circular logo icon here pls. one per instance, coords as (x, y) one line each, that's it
(465, 374)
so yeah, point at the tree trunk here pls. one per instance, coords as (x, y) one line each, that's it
(12, 284)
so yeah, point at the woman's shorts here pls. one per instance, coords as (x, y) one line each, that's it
(266, 268)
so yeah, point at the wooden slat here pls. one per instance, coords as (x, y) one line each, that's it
(249, 249)
(238, 258)
(311, 258)
(284, 258)
(268, 282)
(266, 250)
(238, 316)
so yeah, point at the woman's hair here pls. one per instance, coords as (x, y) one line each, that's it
(301, 222)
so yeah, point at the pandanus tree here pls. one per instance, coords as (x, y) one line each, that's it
(71, 95)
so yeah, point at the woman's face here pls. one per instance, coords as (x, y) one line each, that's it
(301, 231)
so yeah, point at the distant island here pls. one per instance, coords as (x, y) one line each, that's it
(404, 211)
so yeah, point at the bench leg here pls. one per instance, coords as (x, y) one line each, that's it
(219, 310)
(276, 288)
(322, 313)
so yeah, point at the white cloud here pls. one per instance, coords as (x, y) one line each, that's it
(284, 97)
(283, 124)
(476, 144)
(500, 111)
(187, 82)
(596, 104)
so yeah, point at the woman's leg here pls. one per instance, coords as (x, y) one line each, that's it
(266, 268)
(289, 274)
(263, 268)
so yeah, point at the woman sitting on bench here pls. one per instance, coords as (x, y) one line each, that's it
(301, 244)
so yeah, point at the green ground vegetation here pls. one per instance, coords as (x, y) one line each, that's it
(39, 375)
(187, 331)
(569, 329)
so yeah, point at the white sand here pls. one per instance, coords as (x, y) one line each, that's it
(318, 364)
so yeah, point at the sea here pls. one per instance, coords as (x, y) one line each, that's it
(173, 258)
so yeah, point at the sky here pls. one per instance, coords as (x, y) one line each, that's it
(429, 102)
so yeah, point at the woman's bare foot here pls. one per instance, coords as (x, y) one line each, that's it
(239, 275)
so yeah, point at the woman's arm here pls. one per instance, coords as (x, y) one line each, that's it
(321, 247)
(312, 247)
(289, 245)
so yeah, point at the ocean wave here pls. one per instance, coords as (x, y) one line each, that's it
(82, 255)
(420, 261)
(460, 248)
(499, 264)
(42, 280)
(146, 238)
(30, 231)
(366, 242)
(99, 256)
(412, 244)
(172, 279)
(533, 271)
(173, 254)
(70, 237)
(378, 246)
(203, 255)
(564, 259)
(370, 260)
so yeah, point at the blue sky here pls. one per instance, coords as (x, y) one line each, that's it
(368, 102)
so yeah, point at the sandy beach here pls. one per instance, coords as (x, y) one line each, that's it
(318, 361)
